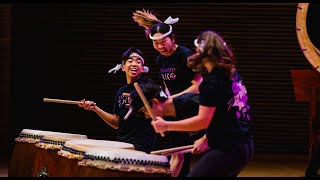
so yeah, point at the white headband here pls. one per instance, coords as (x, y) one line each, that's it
(163, 94)
(119, 66)
(136, 56)
(168, 21)
(132, 55)
(200, 46)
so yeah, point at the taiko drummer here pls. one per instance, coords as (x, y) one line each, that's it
(132, 127)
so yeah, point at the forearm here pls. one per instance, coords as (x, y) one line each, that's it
(192, 89)
(195, 123)
(190, 124)
(110, 119)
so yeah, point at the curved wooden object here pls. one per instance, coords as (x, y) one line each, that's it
(307, 47)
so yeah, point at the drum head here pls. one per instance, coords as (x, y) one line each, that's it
(76, 148)
(56, 140)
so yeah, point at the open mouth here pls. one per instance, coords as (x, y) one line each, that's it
(133, 69)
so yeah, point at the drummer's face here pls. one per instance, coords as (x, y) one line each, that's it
(156, 109)
(133, 67)
(146, 114)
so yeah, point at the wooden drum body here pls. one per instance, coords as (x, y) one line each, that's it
(47, 161)
(122, 163)
(22, 158)
(73, 150)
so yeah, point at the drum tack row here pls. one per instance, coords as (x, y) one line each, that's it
(39, 153)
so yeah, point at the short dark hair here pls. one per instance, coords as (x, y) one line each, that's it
(150, 90)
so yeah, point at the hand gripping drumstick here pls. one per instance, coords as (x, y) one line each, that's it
(145, 102)
(176, 150)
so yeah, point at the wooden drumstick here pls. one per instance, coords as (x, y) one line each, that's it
(62, 101)
(178, 152)
(145, 102)
(126, 94)
(172, 150)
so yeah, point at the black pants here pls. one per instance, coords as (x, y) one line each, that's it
(314, 163)
(223, 163)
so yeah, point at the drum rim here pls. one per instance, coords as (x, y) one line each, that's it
(142, 162)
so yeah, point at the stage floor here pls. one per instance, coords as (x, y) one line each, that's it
(275, 165)
(262, 165)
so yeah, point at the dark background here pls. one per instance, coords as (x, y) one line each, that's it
(64, 50)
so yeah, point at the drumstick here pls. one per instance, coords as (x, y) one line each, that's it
(167, 90)
(60, 101)
(126, 94)
(145, 102)
(178, 152)
(171, 150)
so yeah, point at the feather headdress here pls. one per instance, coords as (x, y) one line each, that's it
(145, 18)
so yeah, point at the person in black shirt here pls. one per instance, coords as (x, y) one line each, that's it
(180, 107)
(175, 76)
(223, 111)
(132, 126)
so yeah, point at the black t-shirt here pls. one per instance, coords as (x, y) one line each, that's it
(174, 70)
(136, 130)
(231, 121)
(186, 105)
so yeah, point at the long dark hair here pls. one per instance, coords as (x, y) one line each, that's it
(150, 90)
(212, 49)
